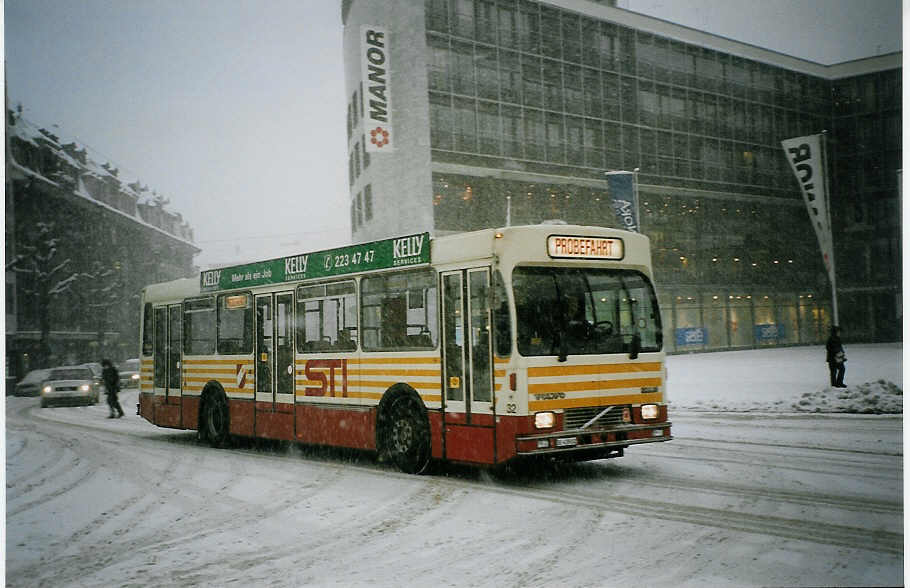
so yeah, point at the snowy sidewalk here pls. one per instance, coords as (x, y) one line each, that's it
(790, 379)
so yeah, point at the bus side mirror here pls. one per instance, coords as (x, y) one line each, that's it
(635, 347)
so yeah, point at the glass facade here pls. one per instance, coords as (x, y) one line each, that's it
(536, 103)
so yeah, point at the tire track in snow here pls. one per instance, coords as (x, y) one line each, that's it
(806, 460)
(731, 520)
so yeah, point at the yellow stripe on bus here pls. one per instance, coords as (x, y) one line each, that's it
(594, 385)
(387, 383)
(398, 360)
(399, 372)
(536, 405)
(602, 368)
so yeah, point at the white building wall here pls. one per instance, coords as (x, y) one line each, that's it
(400, 180)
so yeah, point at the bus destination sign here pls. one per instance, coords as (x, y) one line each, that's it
(389, 253)
(584, 247)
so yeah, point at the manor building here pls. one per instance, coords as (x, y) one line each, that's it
(477, 113)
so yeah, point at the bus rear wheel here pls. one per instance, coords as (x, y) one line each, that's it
(215, 419)
(406, 435)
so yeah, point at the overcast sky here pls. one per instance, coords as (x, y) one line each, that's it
(235, 110)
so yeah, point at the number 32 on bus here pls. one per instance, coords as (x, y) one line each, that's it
(480, 348)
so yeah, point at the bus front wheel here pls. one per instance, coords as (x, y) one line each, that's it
(405, 434)
(215, 419)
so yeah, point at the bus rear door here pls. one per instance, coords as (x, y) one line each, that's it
(275, 365)
(469, 422)
(167, 372)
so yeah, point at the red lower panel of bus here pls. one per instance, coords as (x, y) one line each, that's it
(435, 418)
(190, 412)
(167, 412)
(468, 443)
(146, 409)
(336, 426)
(470, 439)
(507, 429)
(275, 421)
(242, 417)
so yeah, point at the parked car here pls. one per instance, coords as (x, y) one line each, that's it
(31, 384)
(129, 374)
(69, 385)
(99, 380)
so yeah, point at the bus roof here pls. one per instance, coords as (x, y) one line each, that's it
(173, 290)
(397, 252)
(511, 245)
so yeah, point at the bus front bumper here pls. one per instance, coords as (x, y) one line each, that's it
(607, 440)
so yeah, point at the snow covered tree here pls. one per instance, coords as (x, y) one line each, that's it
(103, 289)
(46, 278)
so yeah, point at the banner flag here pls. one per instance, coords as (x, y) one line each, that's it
(624, 198)
(807, 162)
(376, 84)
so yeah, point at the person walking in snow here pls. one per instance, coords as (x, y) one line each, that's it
(112, 387)
(836, 358)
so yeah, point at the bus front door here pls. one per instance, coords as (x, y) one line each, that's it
(469, 421)
(167, 371)
(274, 370)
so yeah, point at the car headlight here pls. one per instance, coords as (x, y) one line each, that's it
(84, 387)
(134, 377)
(544, 420)
(649, 411)
(46, 390)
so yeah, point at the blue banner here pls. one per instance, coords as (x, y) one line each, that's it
(691, 336)
(624, 198)
(769, 332)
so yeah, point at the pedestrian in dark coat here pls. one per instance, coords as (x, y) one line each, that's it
(112, 386)
(836, 358)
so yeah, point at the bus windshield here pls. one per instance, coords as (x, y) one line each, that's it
(569, 311)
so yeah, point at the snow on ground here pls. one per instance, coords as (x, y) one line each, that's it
(752, 491)
(787, 379)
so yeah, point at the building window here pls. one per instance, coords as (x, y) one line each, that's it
(356, 160)
(438, 64)
(368, 202)
(465, 125)
(441, 122)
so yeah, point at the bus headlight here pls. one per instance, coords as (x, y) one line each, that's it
(649, 411)
(134, 377)
(544, 420)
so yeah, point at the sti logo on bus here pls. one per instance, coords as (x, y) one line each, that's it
(584, 247)
(407, 250)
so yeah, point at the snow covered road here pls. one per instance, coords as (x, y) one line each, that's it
(737, 498)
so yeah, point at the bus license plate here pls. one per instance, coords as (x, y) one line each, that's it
(566, 442)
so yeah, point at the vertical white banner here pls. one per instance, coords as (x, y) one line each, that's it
(376, 89)
(623, 192)
(807, 162)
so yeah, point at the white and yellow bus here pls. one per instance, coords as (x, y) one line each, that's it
(480, 348)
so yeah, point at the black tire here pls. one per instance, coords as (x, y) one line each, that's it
(215, 419)
(405, 434)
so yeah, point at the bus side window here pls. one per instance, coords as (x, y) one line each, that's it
(148, 330)
(327, 317)
(502, 325)
(399, 311)
(199, 327)
(161, 347)
(235, 324)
